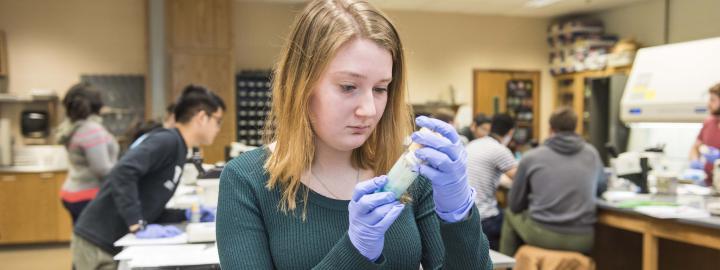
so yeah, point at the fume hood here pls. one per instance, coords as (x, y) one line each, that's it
(669, 83)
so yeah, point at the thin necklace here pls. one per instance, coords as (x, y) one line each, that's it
(357, 179)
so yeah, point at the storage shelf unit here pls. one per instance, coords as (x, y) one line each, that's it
(253, 105)
(570, 90)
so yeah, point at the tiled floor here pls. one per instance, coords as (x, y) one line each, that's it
(32, 257)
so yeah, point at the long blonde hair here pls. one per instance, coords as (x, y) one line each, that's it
(317, 34)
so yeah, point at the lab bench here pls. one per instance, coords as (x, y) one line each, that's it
(629, 239)
(30, 206)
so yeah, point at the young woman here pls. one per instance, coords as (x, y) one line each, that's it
(339, 117)
(92, 150)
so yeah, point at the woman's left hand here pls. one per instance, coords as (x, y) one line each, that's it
(445, 167)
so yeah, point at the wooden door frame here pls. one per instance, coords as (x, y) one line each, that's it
(536, 96)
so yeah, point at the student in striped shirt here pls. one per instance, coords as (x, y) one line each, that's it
(489, 159)
(92, 150)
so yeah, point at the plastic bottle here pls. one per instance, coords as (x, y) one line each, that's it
(403, 173)
(195, 213)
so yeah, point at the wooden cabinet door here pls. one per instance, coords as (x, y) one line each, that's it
(64, 221)
(199, 24)
(214, 72)
(489, 94)
(200, 51)
(28, 211)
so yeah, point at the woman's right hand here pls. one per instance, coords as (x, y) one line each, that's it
(371, 214)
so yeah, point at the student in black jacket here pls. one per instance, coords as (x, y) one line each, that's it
(141, 183)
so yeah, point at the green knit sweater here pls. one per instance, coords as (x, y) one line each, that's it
(252, 233)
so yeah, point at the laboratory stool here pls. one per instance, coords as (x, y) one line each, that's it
(535, 258)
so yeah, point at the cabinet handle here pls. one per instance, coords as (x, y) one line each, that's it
(46, 175)
(9, 178)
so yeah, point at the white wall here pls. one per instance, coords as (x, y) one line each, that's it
(442, 49)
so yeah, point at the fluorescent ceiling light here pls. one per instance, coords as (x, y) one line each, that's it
(540, 3)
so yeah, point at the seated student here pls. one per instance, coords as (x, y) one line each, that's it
(475, 131)
(143, 181)
(480, 127)
(552, 200)
(448, 116)
(487, 161)
(141, 131)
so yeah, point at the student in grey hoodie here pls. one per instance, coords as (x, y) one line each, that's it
(552, 200)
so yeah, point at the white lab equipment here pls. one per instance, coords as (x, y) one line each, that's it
(200, 232)
(669, 83)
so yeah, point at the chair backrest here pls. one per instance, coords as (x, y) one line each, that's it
(535, 258)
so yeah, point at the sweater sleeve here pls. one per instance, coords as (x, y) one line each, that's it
(131, 168)
(459, 245)
(241, 236)
(518, 198)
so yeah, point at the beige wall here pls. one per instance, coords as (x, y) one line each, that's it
(688, 20)
(442, 48)
(642, 21)
(50, 42)
(694, 19)
(259, 32)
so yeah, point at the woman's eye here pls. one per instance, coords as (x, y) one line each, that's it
(347, 87)
(380, 89)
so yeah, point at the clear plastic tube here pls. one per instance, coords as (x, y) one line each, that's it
(403, 173)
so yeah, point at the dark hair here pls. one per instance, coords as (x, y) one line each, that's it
(141, 128)
(715, 90)
(170, 109)
(193, 99)
(81, 101)
(481, 119)
(563, 119)
(502, 123)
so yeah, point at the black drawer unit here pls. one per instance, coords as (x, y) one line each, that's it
(253, 105)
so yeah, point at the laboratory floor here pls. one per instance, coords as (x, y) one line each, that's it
(22, 257)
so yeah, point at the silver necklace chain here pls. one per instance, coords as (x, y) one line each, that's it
(357, 179)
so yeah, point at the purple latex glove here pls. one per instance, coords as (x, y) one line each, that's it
(697, 165)
(711, 155)
(371, 214)
(207, 214)
(158, 231)
(446, 169)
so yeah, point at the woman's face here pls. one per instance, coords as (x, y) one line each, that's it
(350, 96)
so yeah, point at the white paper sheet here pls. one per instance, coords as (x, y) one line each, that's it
(667, 212)
(175, 255)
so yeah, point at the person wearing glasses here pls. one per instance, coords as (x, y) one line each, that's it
(133, 197)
